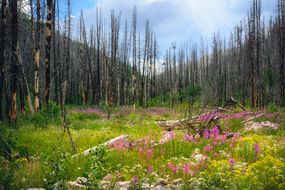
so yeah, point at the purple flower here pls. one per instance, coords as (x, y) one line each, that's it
(215, 132)
(171, 134)
(149, 169)
(135, 180)
(231, 161)
(257, 148)
(207, 148)
(186, 168)
(206, 134)
(189, 138)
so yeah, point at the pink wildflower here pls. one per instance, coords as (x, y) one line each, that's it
(257, 148)
(206, 134)
(186, 169)
(174, 169)
(231, 161)
(135, 180)
(215, 132)
(207, 148)
(149, 153)
(189, 138)
(171, 134)
(149, 169)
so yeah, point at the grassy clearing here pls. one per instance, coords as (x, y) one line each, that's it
(41, 155)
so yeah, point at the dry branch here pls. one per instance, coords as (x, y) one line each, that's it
(252, 118)
(107, 143)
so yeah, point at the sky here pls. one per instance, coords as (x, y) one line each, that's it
(176, 20)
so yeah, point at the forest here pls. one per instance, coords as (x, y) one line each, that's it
(106, 107)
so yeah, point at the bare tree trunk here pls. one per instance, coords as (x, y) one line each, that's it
(37, 58)
(134, 69)
(55, 53)
(14, 61)
(3, 15)
(48, 48)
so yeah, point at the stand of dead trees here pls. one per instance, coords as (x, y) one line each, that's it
(113, 63)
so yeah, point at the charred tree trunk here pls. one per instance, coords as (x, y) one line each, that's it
(48, 49)
(4, 8)
(37, 58)
(14, 61)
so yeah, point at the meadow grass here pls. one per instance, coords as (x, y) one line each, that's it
(44, 152)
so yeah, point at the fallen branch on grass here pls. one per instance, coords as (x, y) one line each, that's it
(107, 143)
(252, 118)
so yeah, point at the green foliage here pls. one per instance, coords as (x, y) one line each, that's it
(54, 167)
(83, 116)
(235, 125)
(272, 108)
(98, 168)
(48, 115)
(6, 173)
(245, 152)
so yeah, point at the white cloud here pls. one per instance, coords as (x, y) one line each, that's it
(179, 20)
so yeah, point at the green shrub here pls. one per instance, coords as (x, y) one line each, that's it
(48, 115)
(272, 108)
(98, 168)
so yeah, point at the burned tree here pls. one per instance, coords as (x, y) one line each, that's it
(48, 49)
(4, 7)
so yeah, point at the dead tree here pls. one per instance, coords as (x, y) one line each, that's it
(37, 57)
(134, 66)
(48, 49)
(98, 40)
(4, 7)
(14, 60)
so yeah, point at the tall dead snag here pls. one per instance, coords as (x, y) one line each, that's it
(24, 84)
(115, 28)
(82, 68)
(48, 48)
(254, 48)
(66, 76)
(98, 39)
(68, 37)
(281, 47)
(145, 61)
(2, 51)
(134, 69)
(55, 53)
(37, 57)
(14, 60)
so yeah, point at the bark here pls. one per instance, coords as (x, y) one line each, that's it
(2, 51)
(14, 61)
(48, 49)
(37, 58)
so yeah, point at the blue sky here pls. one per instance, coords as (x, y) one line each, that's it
(176, 20)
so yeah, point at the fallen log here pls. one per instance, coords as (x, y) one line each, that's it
(233, 102)
(107, 143)
(252, 118)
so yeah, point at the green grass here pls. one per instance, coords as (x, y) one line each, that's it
(42, 149)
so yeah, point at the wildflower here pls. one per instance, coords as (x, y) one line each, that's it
(169, 164)
(135, 180)
(186, 168)
(189, 138)
(206, 134)
(149, 169)
(231, 161)
(149, 153)
(257, 148)
(215, 132)
(207, 148)
(174, 169)
(171, 134)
